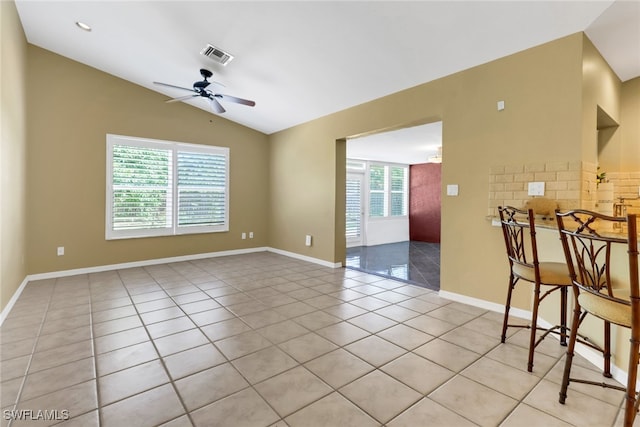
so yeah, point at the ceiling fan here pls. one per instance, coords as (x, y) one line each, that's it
(200, 89)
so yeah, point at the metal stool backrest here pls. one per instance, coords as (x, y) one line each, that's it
(519, 232)
(588, 240)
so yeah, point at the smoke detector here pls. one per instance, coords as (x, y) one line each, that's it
(218, 55)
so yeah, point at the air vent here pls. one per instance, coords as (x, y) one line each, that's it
(218, 55)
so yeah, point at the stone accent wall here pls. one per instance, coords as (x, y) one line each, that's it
(589, 192)
(569, 183)
(626, 185)
(572, 184)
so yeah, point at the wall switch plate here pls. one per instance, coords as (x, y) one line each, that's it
(251, 234)
(307, 240)
(60, 250)
(536, 189)
(500, 105)
(452, 189)
(244, 236)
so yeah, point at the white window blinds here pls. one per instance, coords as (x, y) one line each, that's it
(202, 180)
(159, 188)
(388, 190)
(353, 208)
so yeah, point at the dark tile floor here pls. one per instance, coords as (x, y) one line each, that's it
(413, 262)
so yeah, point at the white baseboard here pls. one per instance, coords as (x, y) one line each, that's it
(144, 263)
(306, 258)
(100, 268)
(487, 305)
(7, 309)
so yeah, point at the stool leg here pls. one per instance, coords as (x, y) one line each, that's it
(507, 307)
(634, 357)
(534, 325)
(563, 316)
(630, 398)
(573, 335)
(607, 350)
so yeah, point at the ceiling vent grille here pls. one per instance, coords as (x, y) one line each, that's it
(218, 55)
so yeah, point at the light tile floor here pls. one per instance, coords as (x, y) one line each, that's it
(266, 340)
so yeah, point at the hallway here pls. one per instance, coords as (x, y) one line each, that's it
(413, 262)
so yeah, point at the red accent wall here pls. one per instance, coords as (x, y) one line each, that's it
(424, 202)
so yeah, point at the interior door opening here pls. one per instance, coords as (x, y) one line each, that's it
(393, 217)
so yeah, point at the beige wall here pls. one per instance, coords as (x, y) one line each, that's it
(291, 183)
(601, 88)
(630, 126)
(541, 88)
(67, 166)
(13, 147)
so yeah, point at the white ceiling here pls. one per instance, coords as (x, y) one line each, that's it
(300, 60)
(407, 146)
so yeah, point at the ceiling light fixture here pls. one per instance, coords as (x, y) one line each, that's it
(436, 158)
(83, 26)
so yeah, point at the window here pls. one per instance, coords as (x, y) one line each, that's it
(398, 190)
(161, 188)
(377, 191)
(388, 192)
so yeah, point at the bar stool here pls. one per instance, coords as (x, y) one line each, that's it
(588, 248)
(522, 253)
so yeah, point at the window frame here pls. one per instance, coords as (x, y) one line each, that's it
(388, 191)
(173, 229)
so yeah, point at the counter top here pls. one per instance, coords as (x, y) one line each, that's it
(550, 223)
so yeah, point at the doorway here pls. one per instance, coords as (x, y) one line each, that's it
(383, 244)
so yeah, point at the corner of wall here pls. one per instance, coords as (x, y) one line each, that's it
(13, 147)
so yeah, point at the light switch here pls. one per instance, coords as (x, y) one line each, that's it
(452, 189)
(536, 189)
(500, 105)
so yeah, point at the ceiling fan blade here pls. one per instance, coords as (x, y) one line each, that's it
(236, 100)
(173, 86)
(216, 107)
(182, 98)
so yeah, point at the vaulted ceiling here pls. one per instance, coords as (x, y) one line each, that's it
(300, 60)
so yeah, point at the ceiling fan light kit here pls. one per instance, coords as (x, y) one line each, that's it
(200, 89)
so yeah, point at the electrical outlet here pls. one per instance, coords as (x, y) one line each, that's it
(251, 234)
(536, 189)
(307, 240)
(60, 250)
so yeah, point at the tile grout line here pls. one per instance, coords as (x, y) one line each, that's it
(33, 350)
(299, 364)
(185, 275)
(229, 361)
(161, 360)
(94, 352)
